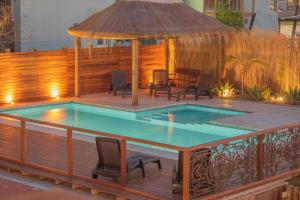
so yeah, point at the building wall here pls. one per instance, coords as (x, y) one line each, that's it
(266, 18)
(43, 23)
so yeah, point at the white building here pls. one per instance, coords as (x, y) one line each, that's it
(42, 24)
(266, 10)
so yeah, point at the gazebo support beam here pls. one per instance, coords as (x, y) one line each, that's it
(77, 65)
(135, 72)
(167, 44)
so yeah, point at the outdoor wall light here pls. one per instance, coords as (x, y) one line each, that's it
(55, 93)
(9, 99)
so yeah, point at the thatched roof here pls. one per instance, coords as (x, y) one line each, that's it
(132, 19)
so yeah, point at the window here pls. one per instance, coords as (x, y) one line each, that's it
(102, 42)
(123, 43)
(149, 41)
(211, 5)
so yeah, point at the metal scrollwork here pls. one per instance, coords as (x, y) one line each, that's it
(235, 163)
(282, 151)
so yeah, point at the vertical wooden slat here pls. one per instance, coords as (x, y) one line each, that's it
(123, 163)
(295, 192)
(70, 151)
(186, 175)
(167, 56)
(135, 72)
(289, 192)
(260, 156)
(77, 66)
(23, 141)
(171, 56)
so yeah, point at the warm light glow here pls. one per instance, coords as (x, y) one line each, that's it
(55, 115)
(226, 93)
(9, 99)
(55, 93)
(279, 98)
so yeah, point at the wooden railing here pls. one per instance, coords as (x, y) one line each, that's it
(228, 165)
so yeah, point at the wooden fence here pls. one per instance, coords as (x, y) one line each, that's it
(208, 54)
(27, 76)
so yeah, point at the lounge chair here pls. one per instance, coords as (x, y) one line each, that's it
(200, 184)
(160, 84)
(184, 81)
(109, 163)
(205, 86)
(119, 83)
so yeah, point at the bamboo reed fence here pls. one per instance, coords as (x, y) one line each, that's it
(208, 54)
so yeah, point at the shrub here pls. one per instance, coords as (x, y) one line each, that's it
(226, 90)
(245, 65)
(292, 95)
(230, 17)
(258, 94)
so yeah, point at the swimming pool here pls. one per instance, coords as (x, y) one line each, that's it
(182, 125)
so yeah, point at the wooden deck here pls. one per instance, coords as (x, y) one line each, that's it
(49, 149)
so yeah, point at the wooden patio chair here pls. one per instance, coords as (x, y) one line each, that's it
(184, 81)
(200, 183)
(190, 82)
(109, 159)
(160, 83)
(119, 83)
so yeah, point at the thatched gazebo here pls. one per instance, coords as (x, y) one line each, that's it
(136, 19)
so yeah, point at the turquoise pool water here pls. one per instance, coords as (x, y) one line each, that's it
(183, 125)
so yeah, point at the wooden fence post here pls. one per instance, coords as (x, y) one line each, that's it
(23, 141)
(135, 72)
(260, 157)
(123, 176)
(77, 66)
(70, 151)
(186, 175)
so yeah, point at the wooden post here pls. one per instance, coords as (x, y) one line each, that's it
(135, 72)
(77, 65)
(70, 151)
(260, 156)
(172, 56)
(186, 175)
(167, 46)
(289, 192)
(123, 176)
(23, 141)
